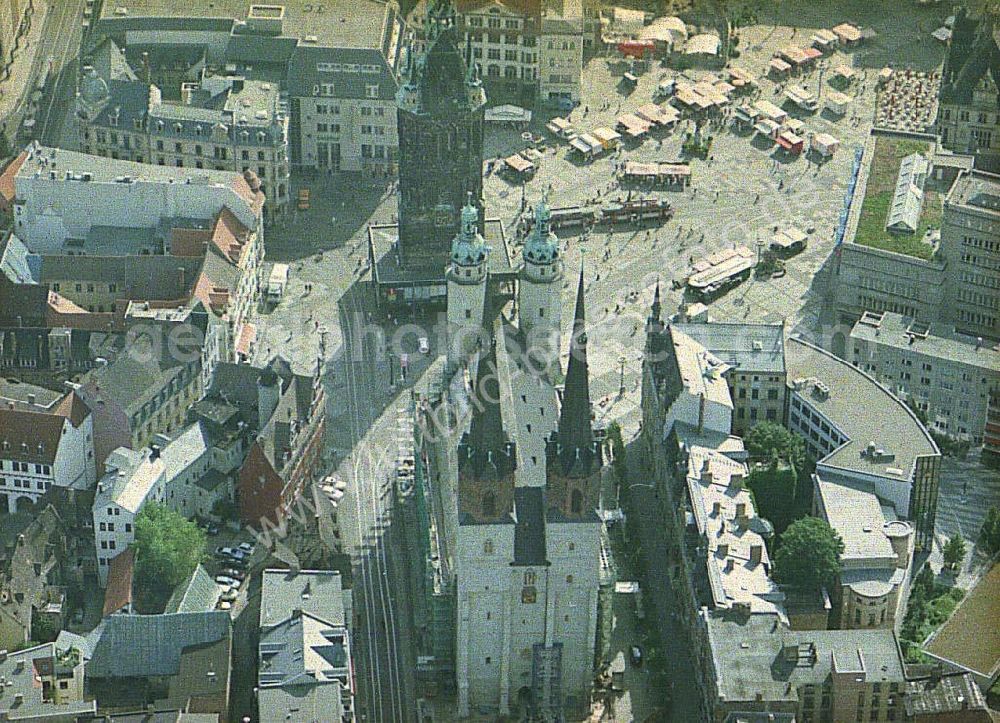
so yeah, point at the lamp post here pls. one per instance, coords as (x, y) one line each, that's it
(621, 382)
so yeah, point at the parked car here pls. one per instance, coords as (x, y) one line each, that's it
(212, 529)
(233, 573)
(224, 605)
(233, 553)
(636, 655)
(246, 547)
(228, 581)
(228, 595)
(424, 345)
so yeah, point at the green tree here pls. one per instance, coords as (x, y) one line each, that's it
(809, 554)
(168, 547)
(924, 581)
(770, 441)
(774, 492)
(989, 534)
(954, 551)
(43, 628)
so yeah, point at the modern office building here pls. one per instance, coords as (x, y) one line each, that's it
(970, 252)
(947, 376)
(885, 450)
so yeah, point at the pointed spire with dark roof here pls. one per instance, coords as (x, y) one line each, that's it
(576, 436)
(654, 310)
(485, 451)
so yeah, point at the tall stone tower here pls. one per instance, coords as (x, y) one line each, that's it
(466, 277)
(539, 294)
(486, 457)
(440, 113)
(573, 457)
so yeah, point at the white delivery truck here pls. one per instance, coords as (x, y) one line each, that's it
(277, 283)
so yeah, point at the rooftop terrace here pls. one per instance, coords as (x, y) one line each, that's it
(879, 194)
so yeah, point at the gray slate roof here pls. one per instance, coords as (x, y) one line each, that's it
(747, 347)
(529, 530)
(138, 646)
(197, 594)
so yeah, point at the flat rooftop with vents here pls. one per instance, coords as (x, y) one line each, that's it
(329, 23)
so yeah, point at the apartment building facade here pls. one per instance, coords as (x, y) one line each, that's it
(526, 50)
(132, 479)
(887, 450)
(224, 123)
(44, 446)
(755, 355)
(560, 60)
(334, 65)
(948, 376)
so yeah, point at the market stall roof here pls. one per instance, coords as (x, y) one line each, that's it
(635, 168)
(720, 266)
(705, 44)
(844, 71)
(740, 77)
(769, 110)
(519, 163)
(789, 140)
(779, 65)
(825, 140)
(838, 98)
(634, 125)
(745, 112)
(605, 135)
(794, 125)
(559, 125)
(794, 55)
(824, 36)
(655, 114)
(847, 33)
(585, 143)
(788, 238)
(665, 30)
(767, 127)
(811, 54)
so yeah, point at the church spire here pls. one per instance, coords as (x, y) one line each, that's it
(485, 452)
(576, 435)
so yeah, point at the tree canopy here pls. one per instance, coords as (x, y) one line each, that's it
(769, 442)
(954, 551)
(168, 547)
(809, 554)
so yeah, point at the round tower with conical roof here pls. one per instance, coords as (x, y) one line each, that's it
(539, 292)
(466, 279)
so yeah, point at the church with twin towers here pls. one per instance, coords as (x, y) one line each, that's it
(519, 465)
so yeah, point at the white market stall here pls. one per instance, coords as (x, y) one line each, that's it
(824, 144)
